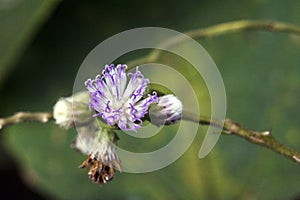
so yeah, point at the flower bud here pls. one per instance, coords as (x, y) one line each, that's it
(167, 111)
(72, 110)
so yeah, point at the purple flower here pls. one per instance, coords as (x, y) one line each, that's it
(118, 102)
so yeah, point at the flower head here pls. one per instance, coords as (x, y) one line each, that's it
(70, 110)
(118, 102)
(168, 110)
(101, 150)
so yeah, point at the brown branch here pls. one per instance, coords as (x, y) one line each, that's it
(41, 117)
(265, 138)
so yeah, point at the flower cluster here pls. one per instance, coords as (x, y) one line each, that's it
(120, 103)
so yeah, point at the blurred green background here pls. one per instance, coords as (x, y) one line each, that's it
(42, 45)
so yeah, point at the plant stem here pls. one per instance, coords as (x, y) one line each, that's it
(264, 138)
(222, 29)
(230, 128)
(41, 117)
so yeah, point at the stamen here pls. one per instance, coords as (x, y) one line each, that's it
(107, 109)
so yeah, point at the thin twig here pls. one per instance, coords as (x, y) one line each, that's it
(264, 138)
(221, 29)
(41, 117)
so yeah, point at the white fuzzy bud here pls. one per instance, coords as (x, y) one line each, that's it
(72, 110)
(167, 111)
